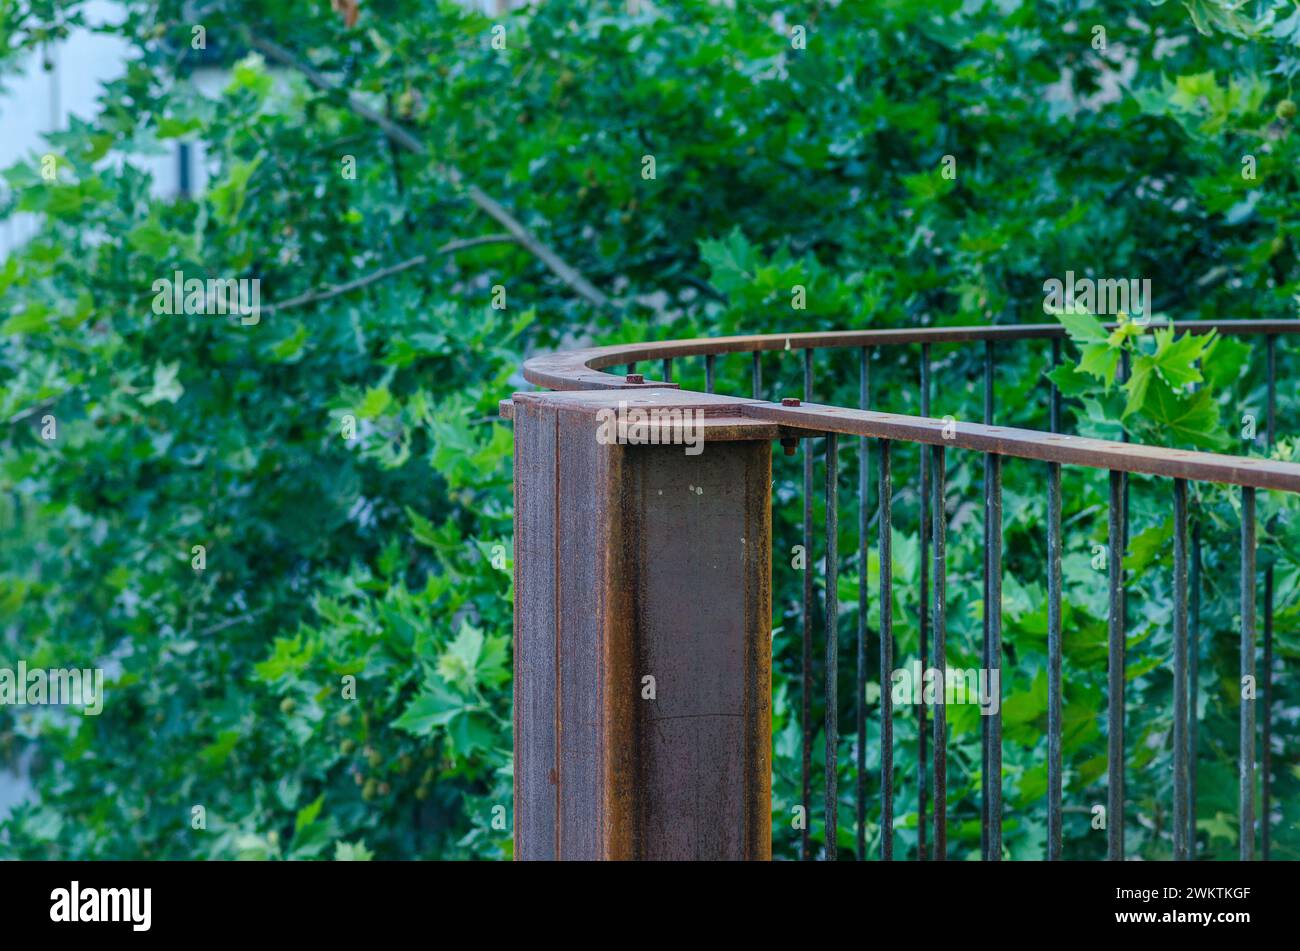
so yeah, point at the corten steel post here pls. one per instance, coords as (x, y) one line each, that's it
(635, 562)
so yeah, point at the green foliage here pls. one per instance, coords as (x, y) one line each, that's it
(335, 682)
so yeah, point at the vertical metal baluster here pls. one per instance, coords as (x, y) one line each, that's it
(668, 369)
(708, 372)
(1270, 353)
(1115, 649)
(924, 608)
(1266, 694)
(1194, 690)
(864, 522)
(1054, 782)
(984, 650)
(995, 659)
(1054, 411)
(1125, 370)
(631, 368)
(886, 520)
(806, 698)
(758, 374)
(1180, 669)
(832, 646)
(940, 661)
(1055, 826)
(1247, 739)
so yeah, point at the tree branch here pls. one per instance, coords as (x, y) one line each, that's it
(374, 277)
(406, 140)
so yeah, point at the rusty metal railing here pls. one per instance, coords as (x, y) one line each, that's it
(607, 787)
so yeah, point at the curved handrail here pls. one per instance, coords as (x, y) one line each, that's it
(580, 369)
(583, 370)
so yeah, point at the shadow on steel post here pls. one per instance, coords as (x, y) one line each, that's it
(642, 626)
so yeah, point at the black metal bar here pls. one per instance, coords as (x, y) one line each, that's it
(922, 852)
(1125, 371)
(832, 646)
(1266, 700)
(1270, 361)
(631, 368)
(860, 698)
(886, 521)
(1115, 674)
(1194, 689)
(1266, 687)
(668, 369)
(940, 661)
(1247, 738)
(985, 651)
(806, 677)
(708, 372)
(1180, 669)
(758, 375)
(1054, 407)
(1054, 783)
(994, 517)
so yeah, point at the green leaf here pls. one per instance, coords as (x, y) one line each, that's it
(352, 852)
(1184, 418)
(436, 706)
(288, 657)
(1138, 382)
(1083, 328)
(1070, 381)
(1099, 360)
(1176, 358)
(308, 813)
(376, 400)
(218, 751)
(166, 388)
(227, 196)
(1149, 545)
(33, 318)
(422, 529)
(459, 664)
(290, 348)
(1223, 361)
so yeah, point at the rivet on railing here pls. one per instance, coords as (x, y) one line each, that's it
(790, 401)
(635, 378)
(789, 444)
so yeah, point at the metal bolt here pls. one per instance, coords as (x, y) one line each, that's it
(790, 401)
(789, 444)
(635, 378)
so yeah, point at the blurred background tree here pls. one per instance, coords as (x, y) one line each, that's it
(374, 165)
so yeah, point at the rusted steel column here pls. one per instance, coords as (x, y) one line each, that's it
(642, 634)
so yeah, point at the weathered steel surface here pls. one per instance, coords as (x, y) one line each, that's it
(699, 531)
(885, 498)
(1180, 670)
(994, 610)
(620, 576)
(581, 369)
(864, 539)
(1030, 444)
(832, 729)
(1115, 658)
(985, 646)
(923, 612)
(806, 644)
(1193, 675)
(637, 561)
(1054, 723)
(535, 631)
(1246, 740)
(809, 419)
(938, 523)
